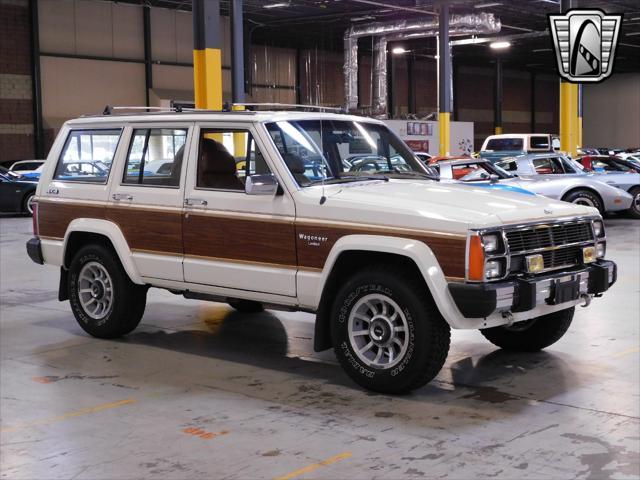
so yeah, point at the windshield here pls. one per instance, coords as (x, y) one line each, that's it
(337, 151)
(477, 171)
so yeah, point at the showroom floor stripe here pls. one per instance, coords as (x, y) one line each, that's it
(66, 416)
(314, 466)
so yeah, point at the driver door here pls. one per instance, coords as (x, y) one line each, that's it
(233, 240)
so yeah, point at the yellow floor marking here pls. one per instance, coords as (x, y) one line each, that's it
(314, 466)
(627, 351)
(66, 416)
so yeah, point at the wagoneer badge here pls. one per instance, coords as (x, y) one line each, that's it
(312, 240)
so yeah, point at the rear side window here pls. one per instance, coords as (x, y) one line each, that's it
(155, 157)
(547, 166)
(504, 144)
(87, 156)
(539, 142)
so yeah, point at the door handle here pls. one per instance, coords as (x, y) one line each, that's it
(195, 201)
(121, 196)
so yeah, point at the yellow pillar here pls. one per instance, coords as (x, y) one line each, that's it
(498, 130)
(444, 131)
(569, 123)
(207, 78)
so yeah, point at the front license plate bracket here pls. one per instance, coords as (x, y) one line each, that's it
(562, 292)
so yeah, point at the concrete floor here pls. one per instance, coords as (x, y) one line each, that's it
(198, 391)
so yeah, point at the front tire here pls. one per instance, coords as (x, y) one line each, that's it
(388, 335)
(105, 302)
(531, 335)
(634, 211)
(27, 203)
(585, 197)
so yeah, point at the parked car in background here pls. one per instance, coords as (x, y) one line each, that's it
(16, 193)
(569, 182)
(624, 174)
(24, 166)
(608, 164)
(424, 156)
(496, 147)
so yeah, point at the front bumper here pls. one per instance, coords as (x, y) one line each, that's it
(479, 300)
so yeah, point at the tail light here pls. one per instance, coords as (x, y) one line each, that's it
(34, 219)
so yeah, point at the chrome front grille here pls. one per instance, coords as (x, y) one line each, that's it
(559, 244)
(542, 237)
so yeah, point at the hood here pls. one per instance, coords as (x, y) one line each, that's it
(449, 207)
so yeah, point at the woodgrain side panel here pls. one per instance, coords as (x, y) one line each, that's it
(245, 239)
(146, 229)
(55, 217)
(314, 242)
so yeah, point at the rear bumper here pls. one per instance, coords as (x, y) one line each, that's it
(34, 250)
(480, 300)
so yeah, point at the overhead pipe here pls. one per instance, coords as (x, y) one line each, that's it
(482, 23)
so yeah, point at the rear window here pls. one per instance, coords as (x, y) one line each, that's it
(87, 156)
(504, 144)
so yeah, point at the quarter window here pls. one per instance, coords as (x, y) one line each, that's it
(155, 157)
(226, 158)
(87, 156)
(546, 166)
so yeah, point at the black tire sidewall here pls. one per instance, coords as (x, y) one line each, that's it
(25, 202)
(410, 367)
(112, 325)
(634, 211)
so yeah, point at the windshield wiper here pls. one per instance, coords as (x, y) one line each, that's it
(415, 174)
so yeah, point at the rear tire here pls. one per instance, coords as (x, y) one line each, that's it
(387, 333)
(27, 203)
(634, 211)
(531, 335)
(585, 197)
(105, 302)
(246, 306)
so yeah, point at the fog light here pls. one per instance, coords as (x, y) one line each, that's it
(535, 263)
(601, 249)
(589, 254)
(493, 269)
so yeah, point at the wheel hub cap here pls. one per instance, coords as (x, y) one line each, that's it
(378, 331)
(95, 290)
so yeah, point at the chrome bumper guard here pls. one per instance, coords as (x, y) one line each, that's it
(524, 294)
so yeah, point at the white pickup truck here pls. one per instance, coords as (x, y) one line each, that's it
(317, 212)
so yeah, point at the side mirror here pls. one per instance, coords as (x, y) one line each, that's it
(265, 184)
(493, 178)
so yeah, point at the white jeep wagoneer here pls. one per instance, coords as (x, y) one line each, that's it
(309, 211)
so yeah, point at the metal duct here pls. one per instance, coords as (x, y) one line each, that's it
(482, 23)
(379, 77)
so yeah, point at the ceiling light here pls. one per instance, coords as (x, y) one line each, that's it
(500, 45)
(398, 50)
(276, 5)
(487, 5)
(541, 50)
(632, 34)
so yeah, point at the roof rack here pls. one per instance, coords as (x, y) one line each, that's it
(227, 108)
(289, 106)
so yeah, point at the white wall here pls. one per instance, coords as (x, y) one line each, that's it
(611, 112)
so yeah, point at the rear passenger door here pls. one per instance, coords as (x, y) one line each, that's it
(146, 198)
(233, 240)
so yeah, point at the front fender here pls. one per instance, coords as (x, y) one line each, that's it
(416, 251)
(114, 234)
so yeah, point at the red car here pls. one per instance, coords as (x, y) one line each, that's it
(605, 163)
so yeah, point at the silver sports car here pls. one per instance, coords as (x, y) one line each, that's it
(551, 166)
(579, 188)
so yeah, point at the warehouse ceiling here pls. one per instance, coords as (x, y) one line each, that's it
(321, 24)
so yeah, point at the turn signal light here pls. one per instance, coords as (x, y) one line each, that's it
(589, 254)
(476, 259)
(535, 263)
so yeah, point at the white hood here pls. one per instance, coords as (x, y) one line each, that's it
(442, 206)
